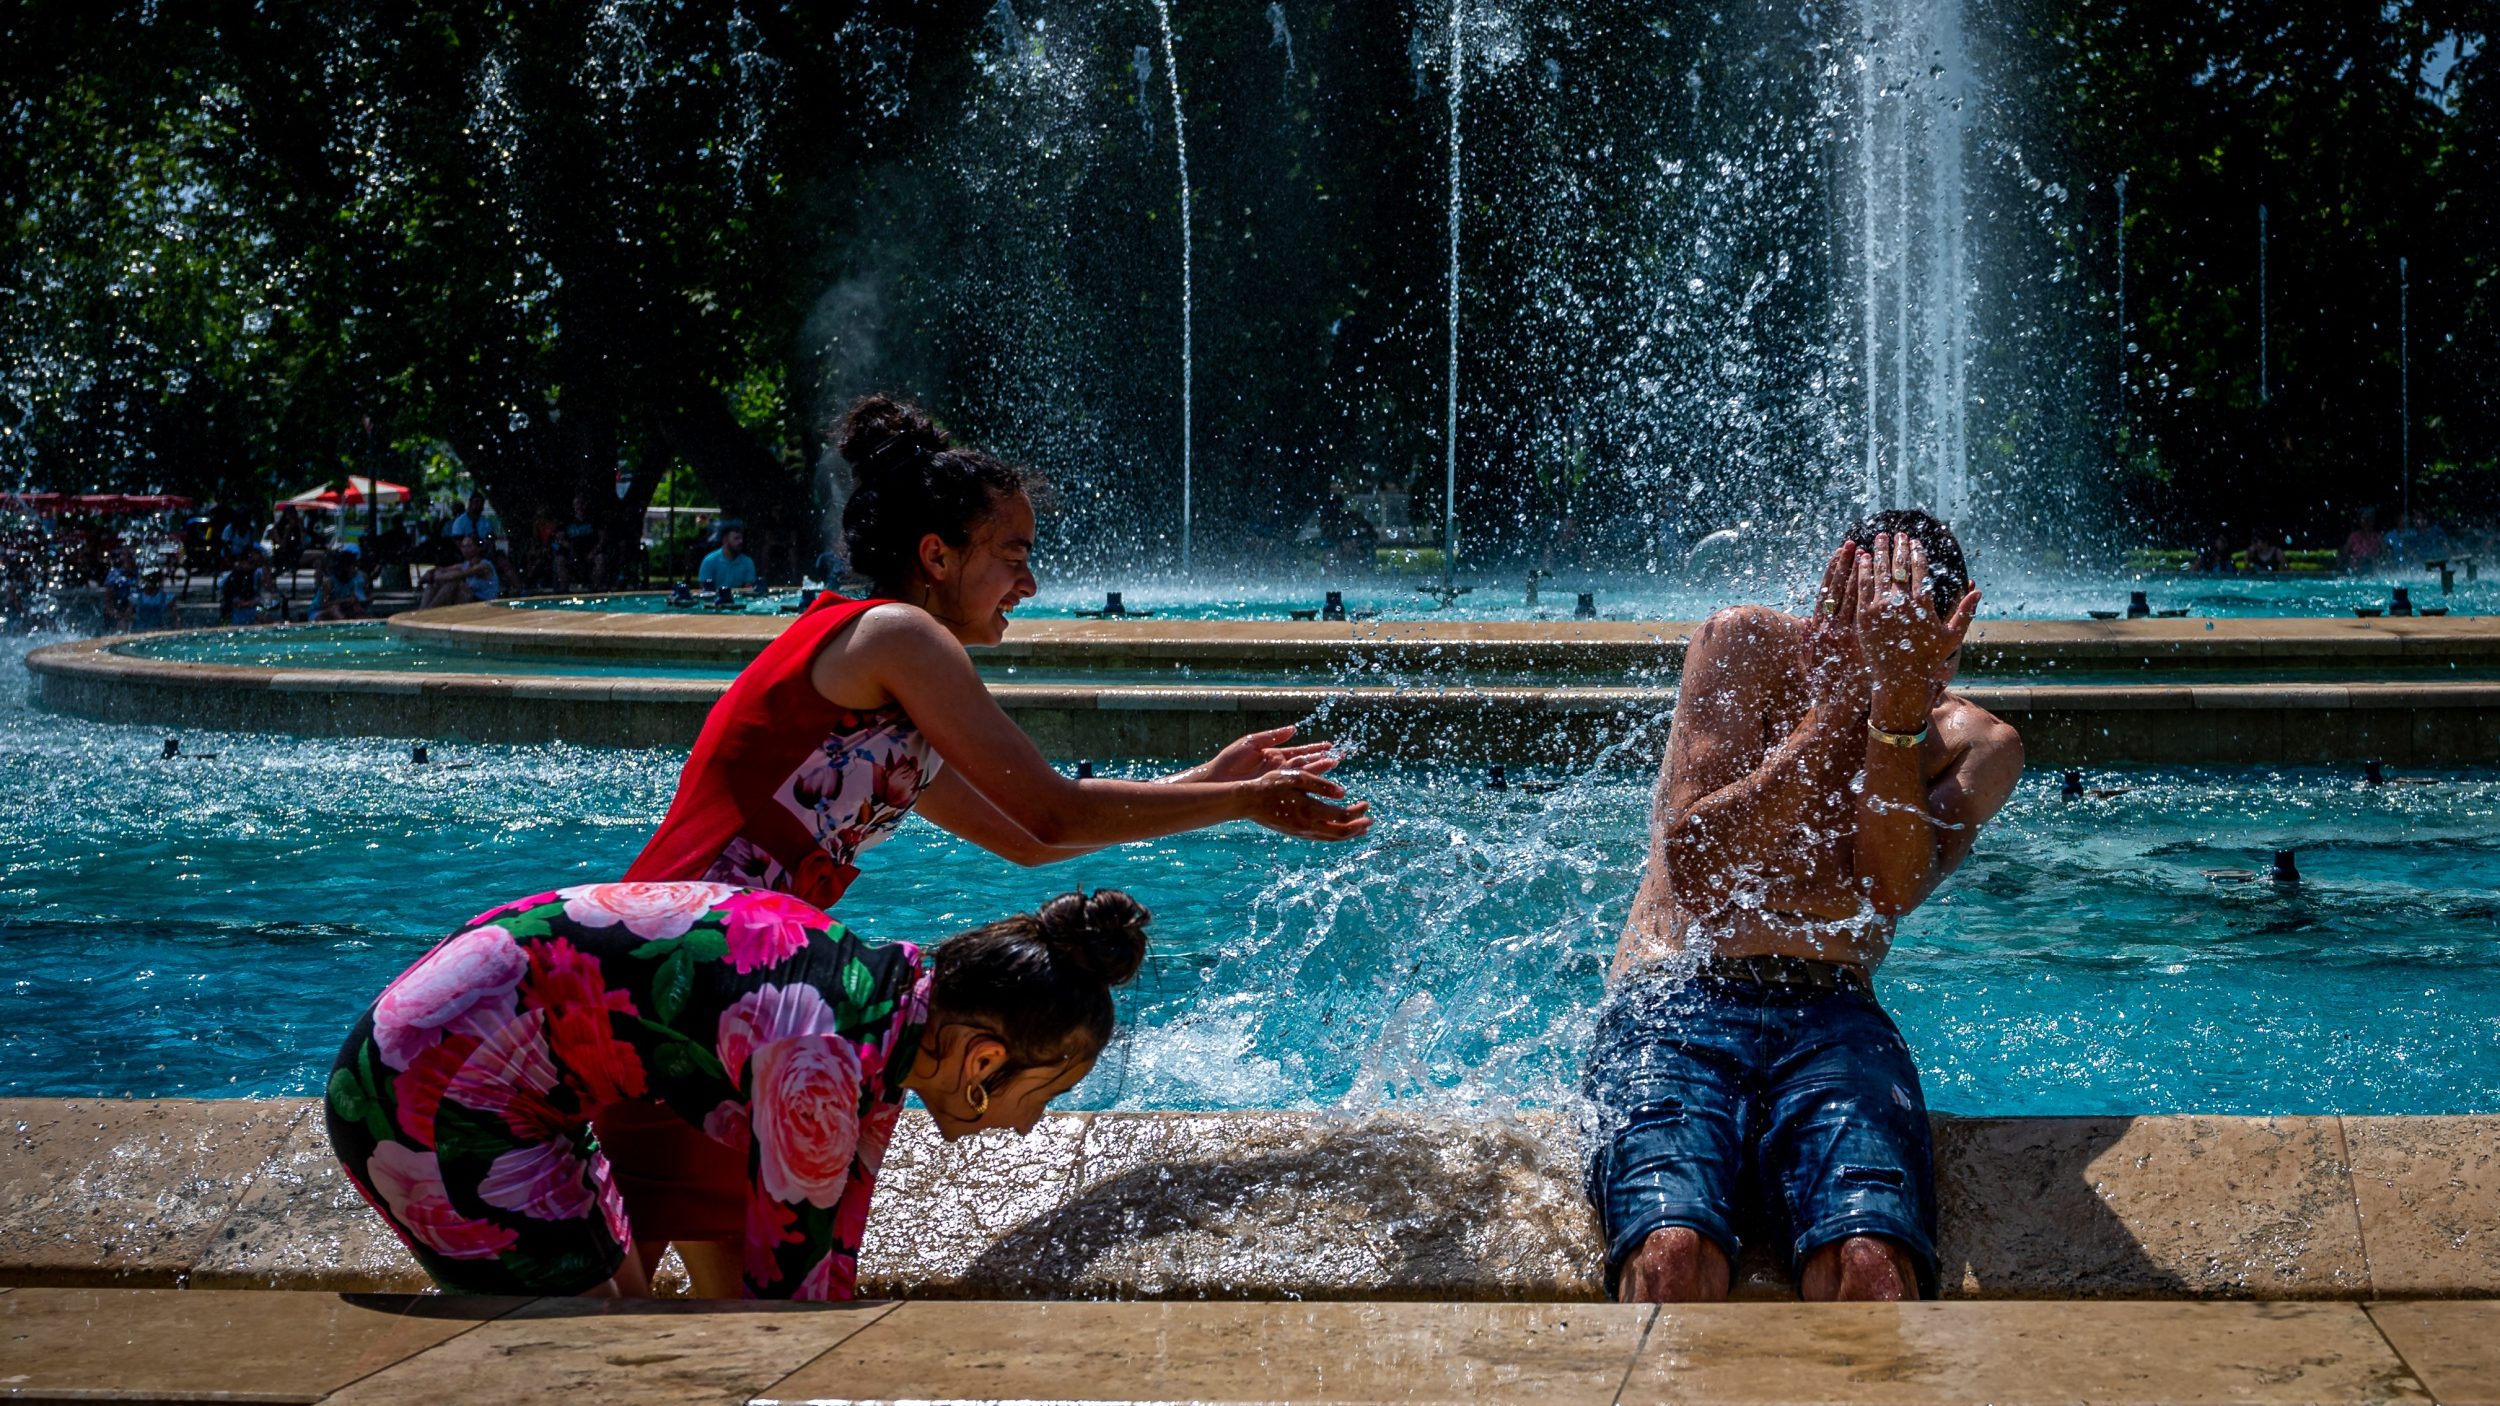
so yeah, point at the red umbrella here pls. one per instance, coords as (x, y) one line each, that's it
(359, 488)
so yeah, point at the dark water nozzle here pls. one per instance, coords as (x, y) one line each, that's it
(2073, 789)
(173, 748)
(1334, 607)
(681, 594)
(1587, 608)
(417, 755)
(725, 598)
(1084, 771)
(2373, 774)
(2447, 579)
(2137, 606)
(1112, 605)
(2401, 603)
(2286, 868)
(1497, 781)
(1535, 578)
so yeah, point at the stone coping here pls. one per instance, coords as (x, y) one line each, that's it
(166, 1345)
(1586, 645)
(2405, 724)
(242, 1193)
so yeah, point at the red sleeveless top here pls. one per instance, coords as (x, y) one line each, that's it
(784, 789)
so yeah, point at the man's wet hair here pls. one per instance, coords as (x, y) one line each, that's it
(1948, 576)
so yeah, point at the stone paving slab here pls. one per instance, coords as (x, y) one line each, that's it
(2182, 1206)
(621, 1353)
(2453, 1348)
(1546, 1354)
(2429, 1196)
(195, 1345)
(108, 1191)
(2018, 1354)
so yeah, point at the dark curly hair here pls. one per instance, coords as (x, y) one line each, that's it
(908, 480)
(1948, 577)
(1041, 982)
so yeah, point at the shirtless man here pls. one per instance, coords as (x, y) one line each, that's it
(1821, 781)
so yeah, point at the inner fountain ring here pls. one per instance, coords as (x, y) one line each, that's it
(1319, 670)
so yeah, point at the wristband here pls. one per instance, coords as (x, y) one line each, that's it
(1896, 739)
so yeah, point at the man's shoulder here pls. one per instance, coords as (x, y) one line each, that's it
(1747, 640)
(1981, 741)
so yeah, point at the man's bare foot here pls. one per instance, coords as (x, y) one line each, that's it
(1675, 1265)
(1862, 1268)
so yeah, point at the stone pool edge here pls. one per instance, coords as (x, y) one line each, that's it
(242, 1193)
(2403, 724)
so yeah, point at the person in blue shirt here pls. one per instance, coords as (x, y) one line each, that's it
(152, 605)
(475, 521)
(728, 566)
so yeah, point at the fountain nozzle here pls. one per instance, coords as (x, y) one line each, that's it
(1587, 607)
(1334, 607)
(2137, 606)
(1084, 771)
(417, 755)
(2401, 603)
(2073, 789)
(173, 748)
(1113, 605)
(1497, 781)
(2373, 774)
(2286, 868)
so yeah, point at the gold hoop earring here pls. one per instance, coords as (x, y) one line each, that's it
(978, 1096)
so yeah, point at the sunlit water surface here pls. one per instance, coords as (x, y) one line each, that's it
(213, 926)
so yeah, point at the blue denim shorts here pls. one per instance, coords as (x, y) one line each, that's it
(1723, 1106)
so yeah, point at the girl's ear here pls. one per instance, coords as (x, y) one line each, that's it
(937, 559)
(984, 1055)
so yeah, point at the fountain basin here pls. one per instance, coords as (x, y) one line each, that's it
(2419, 722)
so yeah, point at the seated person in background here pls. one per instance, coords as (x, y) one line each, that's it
(2364, 550)
(469, 577)
(2215, 559)
(121, 581)
(581, 559)
(1820, 782)
(2265, 553)
(341, 592)
(152, 605)
(240, 591)
(727, 565)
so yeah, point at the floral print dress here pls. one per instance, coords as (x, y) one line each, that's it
(461, 1103)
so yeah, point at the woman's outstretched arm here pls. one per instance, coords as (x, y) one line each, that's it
(903, 654)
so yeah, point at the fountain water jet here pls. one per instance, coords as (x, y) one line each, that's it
(1449, 488)
(1180, 145)
(1914, 99)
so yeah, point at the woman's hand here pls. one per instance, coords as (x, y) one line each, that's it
(1297, 803)
(1261, 753)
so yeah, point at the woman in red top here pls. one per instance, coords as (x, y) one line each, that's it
(866, 710)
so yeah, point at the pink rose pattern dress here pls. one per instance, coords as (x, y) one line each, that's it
(461, 1103)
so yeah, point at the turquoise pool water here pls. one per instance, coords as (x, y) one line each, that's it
(1642, 597)
(212, 926)
(362, 648)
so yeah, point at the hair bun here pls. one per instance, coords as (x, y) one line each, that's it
(1103, 935)
(880, 424)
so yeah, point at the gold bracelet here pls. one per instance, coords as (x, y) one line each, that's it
(1895, 739)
